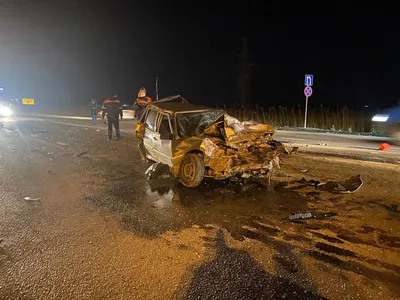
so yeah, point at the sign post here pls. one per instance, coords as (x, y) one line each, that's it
(308, 82)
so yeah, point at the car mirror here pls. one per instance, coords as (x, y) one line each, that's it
(166, 136)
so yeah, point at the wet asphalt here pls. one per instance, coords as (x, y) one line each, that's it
(97, 229)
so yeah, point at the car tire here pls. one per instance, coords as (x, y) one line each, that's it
(191, 170)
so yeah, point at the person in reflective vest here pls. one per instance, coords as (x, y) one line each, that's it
(141, 101)
(113, 109)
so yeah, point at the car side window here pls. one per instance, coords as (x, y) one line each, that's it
(164, 127)
(151, 120)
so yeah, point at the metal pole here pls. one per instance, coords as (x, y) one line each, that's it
(156, 88)
(305, 113)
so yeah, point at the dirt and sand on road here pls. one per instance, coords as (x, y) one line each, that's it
(100, 230)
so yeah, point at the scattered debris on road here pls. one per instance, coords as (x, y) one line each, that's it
(348, 186)
(62, 144)
(294, 149)
(311, 182)
(31, 199)
(158, 171)
(302, 170)
(81, 153)
(318, 216)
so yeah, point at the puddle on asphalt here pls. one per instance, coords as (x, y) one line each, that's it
(153, 208)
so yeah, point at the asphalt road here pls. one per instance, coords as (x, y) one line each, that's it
(329, 140)
(95, 228)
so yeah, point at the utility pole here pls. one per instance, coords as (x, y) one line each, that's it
(244, 75)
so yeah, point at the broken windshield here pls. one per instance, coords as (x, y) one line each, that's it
(193, 124)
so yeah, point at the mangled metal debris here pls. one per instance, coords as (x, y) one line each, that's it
(244, 149)
(348, 186)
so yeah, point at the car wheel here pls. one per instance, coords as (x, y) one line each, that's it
(191, 170)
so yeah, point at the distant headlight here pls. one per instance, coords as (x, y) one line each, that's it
(380, 118)
(5, 111)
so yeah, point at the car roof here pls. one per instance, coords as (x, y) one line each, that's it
(175, 99)
(181, 107)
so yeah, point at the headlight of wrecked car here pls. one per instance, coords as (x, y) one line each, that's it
(5, 111)
(380, 118)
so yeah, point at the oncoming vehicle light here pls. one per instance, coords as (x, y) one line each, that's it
(380, 118)
(5, 111)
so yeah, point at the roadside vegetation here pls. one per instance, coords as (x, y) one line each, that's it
(323, 118)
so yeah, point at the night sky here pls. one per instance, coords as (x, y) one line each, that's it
(70, 51)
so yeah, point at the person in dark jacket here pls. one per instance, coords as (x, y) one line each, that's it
(93, 110)
(113, 109)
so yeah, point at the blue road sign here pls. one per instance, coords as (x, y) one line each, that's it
(308, 91)
(308, 80)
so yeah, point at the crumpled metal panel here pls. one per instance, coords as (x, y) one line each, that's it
(233, 148)
(183, 146)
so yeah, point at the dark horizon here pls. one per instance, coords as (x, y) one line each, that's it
(66, 53)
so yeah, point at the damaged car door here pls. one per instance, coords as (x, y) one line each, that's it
(162, 140)
(149, 131)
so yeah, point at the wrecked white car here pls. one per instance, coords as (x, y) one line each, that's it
(197, 142)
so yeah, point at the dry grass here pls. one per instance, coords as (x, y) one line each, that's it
(322, 118)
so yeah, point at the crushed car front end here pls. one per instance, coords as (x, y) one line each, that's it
(231, 149)
(236, 149)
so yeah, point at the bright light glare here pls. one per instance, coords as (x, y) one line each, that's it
(5, 111)
(380, 118)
